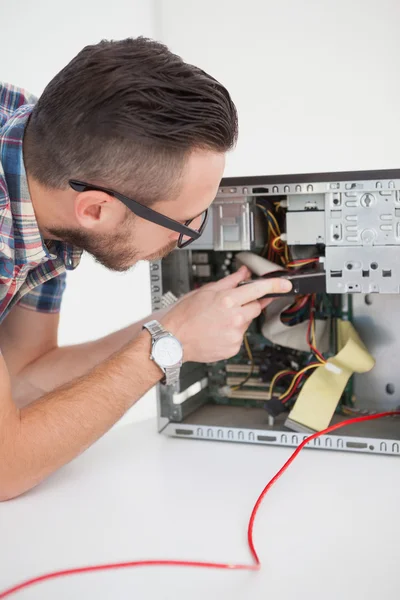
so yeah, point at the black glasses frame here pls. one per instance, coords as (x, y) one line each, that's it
(148, 213)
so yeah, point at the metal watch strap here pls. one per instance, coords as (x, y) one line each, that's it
(172, 375)
(156, 330)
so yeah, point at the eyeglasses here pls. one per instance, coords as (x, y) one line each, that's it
(187, 234)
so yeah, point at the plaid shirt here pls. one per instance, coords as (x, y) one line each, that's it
(32, 272)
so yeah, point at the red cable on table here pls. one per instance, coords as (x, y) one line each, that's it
(187, 563)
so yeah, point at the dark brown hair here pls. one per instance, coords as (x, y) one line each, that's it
(125, 115)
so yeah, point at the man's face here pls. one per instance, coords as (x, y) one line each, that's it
(138, 239)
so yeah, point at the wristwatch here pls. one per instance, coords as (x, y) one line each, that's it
(166, 351)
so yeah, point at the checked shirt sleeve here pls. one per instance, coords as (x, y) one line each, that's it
(46, 297)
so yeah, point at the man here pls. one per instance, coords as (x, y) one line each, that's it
(121, 156)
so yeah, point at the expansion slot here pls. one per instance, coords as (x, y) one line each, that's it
(247, 394)
(232, 368)
(253, 382)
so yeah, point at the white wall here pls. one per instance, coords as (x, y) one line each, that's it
(316, 82)
(39, 38)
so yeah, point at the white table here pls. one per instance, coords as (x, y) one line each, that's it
(329, 529)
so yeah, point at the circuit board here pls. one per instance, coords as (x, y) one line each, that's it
(245, 380)
(230, 382)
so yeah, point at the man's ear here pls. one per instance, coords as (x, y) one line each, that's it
(94, 209)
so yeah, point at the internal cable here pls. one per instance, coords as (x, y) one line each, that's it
(296, 378)
(311, 332)
(206, 565)
(274, 233)
(251, 359)
(271, 220)
(294, 390)
(287, 257)
(277, 376)
(301, 262)
(275, 222)
(295, 309)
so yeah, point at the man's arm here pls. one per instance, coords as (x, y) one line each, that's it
(37, 365)
(40, 438)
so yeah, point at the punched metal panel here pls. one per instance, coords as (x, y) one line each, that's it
(366, 269)
(359, 224)
(363, 219)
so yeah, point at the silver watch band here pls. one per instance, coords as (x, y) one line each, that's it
(155, 328)
(172, 375)
(157, 331)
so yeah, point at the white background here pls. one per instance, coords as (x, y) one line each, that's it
(316, 83)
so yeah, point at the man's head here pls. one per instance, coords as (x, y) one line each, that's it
(132, 117)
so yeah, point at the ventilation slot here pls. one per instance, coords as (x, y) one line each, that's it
(365, 273)
(386, 273)
(356, 445)
(336, 273)
(266, 438)
(184, 431)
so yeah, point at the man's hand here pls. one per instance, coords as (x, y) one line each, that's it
(211, 323)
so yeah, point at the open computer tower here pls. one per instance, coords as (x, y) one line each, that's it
(344, 224)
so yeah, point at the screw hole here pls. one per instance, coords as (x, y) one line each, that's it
(390, 389)
(372, 447)
(349, 266)
(374, 266)
(335, 201)
(336, 236)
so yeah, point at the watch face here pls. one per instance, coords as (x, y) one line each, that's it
(167, 351)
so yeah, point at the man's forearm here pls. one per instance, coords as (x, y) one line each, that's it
(50, 432)
(62, 365)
